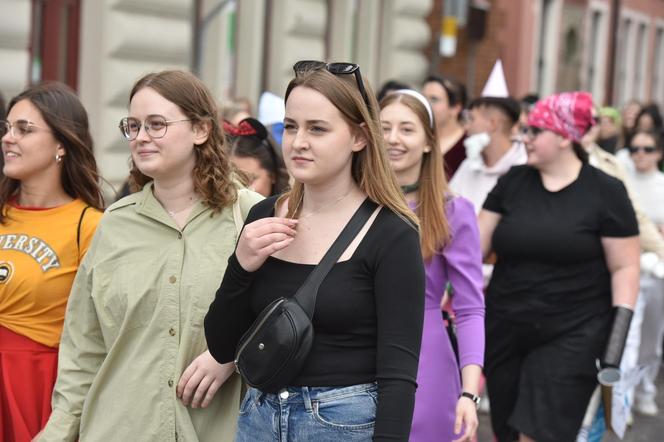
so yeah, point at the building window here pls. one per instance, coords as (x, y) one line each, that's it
(545, 31)
(639, 63)
(621, 63)
(658, 67)
(54, 41)
(591, 73)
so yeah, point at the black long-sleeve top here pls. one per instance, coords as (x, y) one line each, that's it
(367, 321)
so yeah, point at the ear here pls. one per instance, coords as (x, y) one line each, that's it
(201, 132)
(565, 143)
(60, 150)
(360, 137)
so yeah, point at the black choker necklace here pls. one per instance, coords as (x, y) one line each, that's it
(410, 188)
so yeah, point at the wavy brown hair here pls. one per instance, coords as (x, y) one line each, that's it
(213, 173)
(434, 227)
(67, 119)
(370, 168)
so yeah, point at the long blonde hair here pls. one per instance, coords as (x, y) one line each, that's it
(434, 227)
(370, 168)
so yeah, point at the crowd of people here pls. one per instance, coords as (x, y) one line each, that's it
(497, 262)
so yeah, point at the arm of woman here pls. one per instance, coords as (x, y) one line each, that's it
(230, 315)
(81, 353)
(399, 294)
(623, 261)
(487, 221)
(464, 268)
(466, 410)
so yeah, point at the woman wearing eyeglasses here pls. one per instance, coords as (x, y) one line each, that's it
(254, 152)
(445, 405)
(359, 379)
(133, 360)
(51, 204)
(566, 240)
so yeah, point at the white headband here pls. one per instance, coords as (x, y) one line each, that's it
(421, 99)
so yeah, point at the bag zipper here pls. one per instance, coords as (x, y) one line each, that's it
(253, 333)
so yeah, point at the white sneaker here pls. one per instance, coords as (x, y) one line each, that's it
(646, 407)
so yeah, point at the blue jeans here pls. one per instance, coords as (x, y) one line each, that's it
(321, 414)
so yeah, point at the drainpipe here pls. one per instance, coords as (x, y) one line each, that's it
(609, 93)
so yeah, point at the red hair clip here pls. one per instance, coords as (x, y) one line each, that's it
(242, 129)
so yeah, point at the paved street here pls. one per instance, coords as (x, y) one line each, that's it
(645, 429)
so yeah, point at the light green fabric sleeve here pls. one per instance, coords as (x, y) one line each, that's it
(81, 353)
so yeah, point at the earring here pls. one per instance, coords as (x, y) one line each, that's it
(58, 158)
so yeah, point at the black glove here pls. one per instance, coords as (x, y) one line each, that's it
(609, 373)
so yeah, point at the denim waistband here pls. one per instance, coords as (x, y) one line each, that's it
(294, 395)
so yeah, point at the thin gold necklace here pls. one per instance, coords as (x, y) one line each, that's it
(330, 204)
(172, 213)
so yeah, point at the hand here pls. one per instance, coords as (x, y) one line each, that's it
(466, 414)
(261, 239)
(201, 380)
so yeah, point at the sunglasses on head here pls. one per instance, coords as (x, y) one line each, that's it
(646, 149)
(304, 66)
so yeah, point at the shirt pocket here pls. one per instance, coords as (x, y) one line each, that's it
(125, 293)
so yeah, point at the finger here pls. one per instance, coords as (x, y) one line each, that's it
(185, 378)
(266, 241)
(201, 391)
(471, 427)
(190, 388)
(271, 228)
(457, 422)
(271, 220)
(211, 391)
(276, 246)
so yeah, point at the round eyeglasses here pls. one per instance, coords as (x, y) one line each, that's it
(18, 128)
(155, 126)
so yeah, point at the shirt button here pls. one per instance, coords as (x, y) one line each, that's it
(172, 279)
(284, 395)
(170, 382)
(171, 331)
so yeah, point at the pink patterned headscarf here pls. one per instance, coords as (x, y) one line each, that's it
(568, 114)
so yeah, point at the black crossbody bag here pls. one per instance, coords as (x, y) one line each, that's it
(274, 349)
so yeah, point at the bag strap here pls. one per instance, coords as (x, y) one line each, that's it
(78, 231)
(306, 294)
(237, 216)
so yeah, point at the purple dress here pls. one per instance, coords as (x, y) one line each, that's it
(438, 377)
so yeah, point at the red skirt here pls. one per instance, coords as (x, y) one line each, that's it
(27, 374)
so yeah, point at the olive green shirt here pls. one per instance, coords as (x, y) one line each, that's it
(134, 322)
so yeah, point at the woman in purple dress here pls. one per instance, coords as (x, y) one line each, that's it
(445, 403)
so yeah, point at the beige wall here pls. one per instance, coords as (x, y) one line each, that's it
(14, 44)
(121, 40)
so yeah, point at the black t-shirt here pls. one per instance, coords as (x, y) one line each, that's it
(367, 321)
(550, 259)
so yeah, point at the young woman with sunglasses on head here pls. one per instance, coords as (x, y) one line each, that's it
(51, 204)
(359, 379)
(445, 405)
(133, 362)
(253, 151)
(448, 99)
(566, 240)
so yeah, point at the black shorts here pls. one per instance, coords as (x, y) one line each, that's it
(541, 374)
